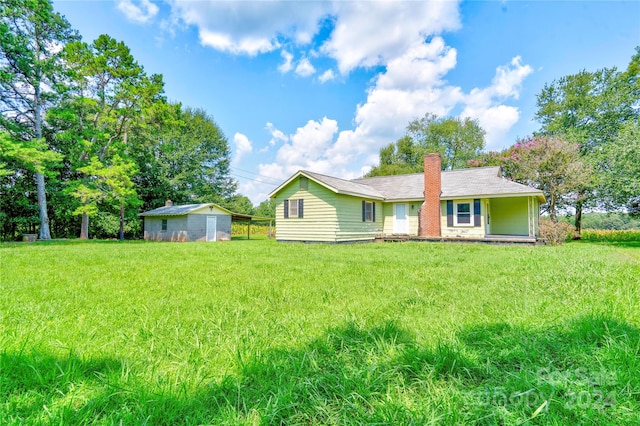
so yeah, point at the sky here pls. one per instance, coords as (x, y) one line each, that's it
(323, 85)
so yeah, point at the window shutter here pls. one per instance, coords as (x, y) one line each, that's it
(300, 205)
(363, 208)
(476, 212)
(373, 206)
(286, 209)
(449, 213)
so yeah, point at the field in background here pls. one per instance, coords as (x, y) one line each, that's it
(604, 235)
(255, 332)
(239, 229)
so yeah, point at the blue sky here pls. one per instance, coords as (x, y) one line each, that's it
(322, 85)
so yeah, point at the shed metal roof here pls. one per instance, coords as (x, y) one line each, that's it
(185, 209)
(180, 210)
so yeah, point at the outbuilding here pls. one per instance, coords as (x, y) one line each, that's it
(189, 222)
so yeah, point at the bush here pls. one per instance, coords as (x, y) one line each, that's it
(555, 233)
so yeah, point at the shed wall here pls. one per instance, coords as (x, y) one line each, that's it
(197, 227)
(191, 227)
(176, 228)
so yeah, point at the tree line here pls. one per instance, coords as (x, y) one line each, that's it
(585, 155)
(88, 138)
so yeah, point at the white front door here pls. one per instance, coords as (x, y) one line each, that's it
(400, 219)
(211, 228)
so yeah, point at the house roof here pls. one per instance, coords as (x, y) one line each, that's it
(474, 182)
(337, 185)
(397, 187)
(482, 181)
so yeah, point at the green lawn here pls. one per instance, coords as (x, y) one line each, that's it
(254, 332)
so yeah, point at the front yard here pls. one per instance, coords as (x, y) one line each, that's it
(255, 332)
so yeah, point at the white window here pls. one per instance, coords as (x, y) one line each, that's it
(293, 208)
(463, 213)
(368, 211)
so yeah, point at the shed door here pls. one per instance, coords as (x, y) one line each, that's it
(400, 220)
(211, 228)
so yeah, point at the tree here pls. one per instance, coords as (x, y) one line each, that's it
(109, 94)
(239, 204)
(549, 164)
(620, 174)
(456, 140)
(267, 208)
(33, 154)
(31, 36)
(590, 108)
(183, 156)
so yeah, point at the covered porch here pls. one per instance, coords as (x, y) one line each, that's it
(512, 217)
(487, 239)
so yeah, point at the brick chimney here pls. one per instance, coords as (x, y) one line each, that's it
(168, 203)
(430, 210)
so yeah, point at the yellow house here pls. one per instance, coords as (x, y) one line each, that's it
(473, 204)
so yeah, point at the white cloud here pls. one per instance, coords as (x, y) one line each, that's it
(485, 104)
(412, 84)
(250, 28)
(243, 146)
(276, 135)
(141, 12)
(401, 38)
(365, 34)
(248, 45)
(286, 66)
(368, 34)
(327, 76)
(304, 68)
(306, 149)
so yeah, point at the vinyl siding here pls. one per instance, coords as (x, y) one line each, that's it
(509, 216)
(464, 231)
(350, 224)
(413, 213)
(211, 211)
(319, 221)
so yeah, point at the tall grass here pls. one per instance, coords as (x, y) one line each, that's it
(254, 332)
(610, 235)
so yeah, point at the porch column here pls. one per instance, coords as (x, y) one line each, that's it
(530, 205)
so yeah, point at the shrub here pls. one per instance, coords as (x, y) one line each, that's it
(555, 233)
